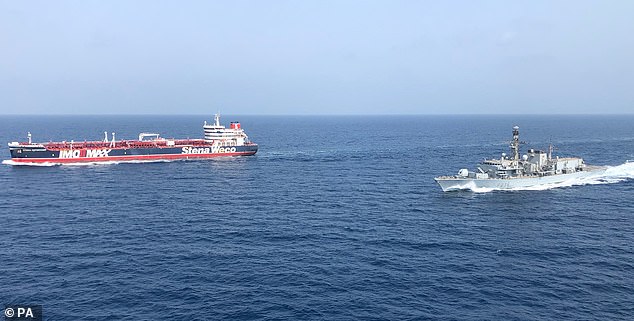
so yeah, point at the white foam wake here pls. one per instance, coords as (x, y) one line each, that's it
(47, 164)
(610, 175)
(470, 186)
(10, 162)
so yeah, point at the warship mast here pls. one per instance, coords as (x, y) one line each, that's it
(515, 146)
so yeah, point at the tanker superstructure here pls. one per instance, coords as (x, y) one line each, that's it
(218, 141)
(534, 169)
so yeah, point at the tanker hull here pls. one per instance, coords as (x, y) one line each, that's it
(91, 155)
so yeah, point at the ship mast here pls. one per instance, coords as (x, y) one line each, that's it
(550, 152)
(515, 145)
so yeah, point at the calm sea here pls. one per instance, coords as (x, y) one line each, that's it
(335, 218)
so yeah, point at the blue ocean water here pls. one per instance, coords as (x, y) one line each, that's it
(335, 218)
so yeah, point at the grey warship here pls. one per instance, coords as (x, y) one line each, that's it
(533, 169)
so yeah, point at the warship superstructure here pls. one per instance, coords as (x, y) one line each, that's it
(218, 141)
(534, 168)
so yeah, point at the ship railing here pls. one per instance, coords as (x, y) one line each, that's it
(24, 144)
(449, 177)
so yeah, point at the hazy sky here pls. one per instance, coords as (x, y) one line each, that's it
(316, 57)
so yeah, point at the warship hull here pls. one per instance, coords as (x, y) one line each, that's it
(454, 183)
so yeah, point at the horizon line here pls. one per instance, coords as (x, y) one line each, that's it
(309, 115)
